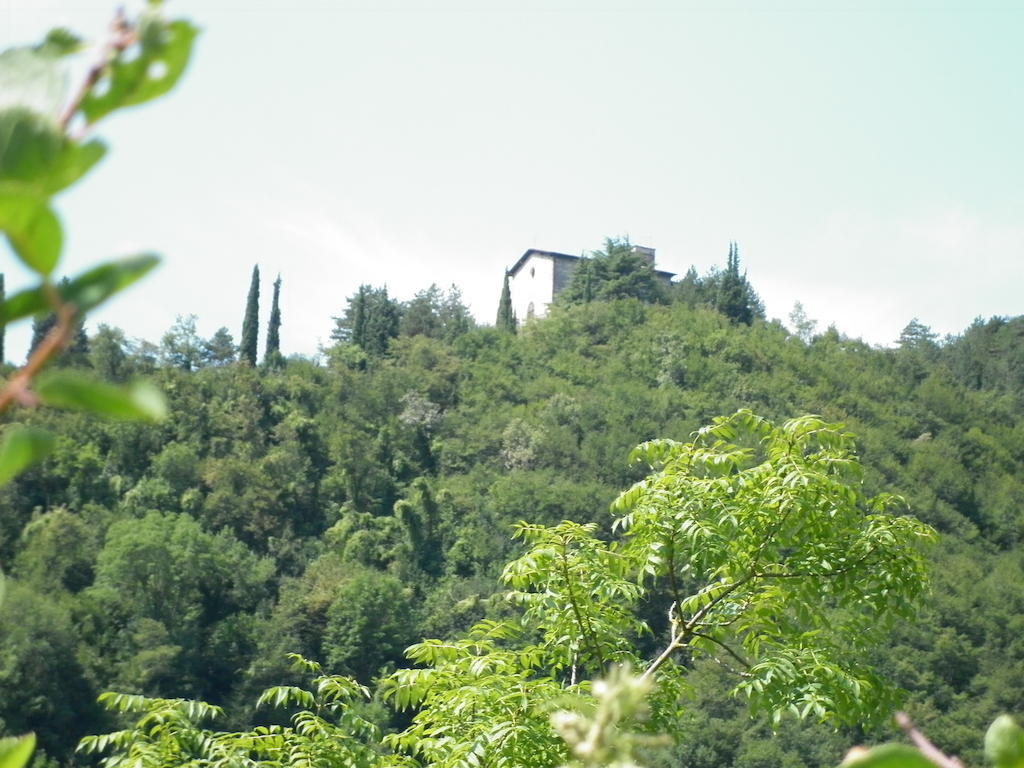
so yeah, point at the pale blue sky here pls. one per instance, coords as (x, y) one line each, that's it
(866, 155)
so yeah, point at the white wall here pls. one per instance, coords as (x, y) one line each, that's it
(533, 284)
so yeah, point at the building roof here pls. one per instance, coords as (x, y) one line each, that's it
(561, 257)
(535, 252)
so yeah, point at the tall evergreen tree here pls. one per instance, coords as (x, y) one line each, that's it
(370, 321)
(273, 351)
(251, 321)
(382, 317)
(506, 318)
(736, 299)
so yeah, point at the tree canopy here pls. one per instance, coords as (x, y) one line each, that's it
(618, 271)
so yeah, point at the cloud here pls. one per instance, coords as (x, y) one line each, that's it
(870, 274)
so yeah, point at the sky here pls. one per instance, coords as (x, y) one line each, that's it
(866, 156)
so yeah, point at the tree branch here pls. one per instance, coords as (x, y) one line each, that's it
(16, 390)
(122, 35)
(678, 641)
(926, 748)
(723, 646)
(584, 624)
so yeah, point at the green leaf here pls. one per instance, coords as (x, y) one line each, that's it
(60, 42)
(1004, 743)
(889, 756)
(16, 751)
(164, 50)
(35, 152)
(66, 389)
(23, 304)
(86, 291)
(31, 79)
(30, 226)
(21, 447)
(95, 286)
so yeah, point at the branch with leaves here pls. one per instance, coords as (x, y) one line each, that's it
(39, 158)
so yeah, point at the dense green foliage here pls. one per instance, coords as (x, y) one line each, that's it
(619, 271)
(407, 469)
(349, 510)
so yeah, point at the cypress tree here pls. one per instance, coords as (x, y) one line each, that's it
(251, 321)
(506, 320)
(273, 351)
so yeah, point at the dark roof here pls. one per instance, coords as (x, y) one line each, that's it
(564, 256)
(535, 252)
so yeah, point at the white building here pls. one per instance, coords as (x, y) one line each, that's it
(538, 276)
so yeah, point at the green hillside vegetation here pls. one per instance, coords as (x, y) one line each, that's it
(344, 511)
(437, 544)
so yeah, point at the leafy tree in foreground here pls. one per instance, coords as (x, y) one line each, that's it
(761, 549)
(250, 323)
(755, 540)
(169, 732)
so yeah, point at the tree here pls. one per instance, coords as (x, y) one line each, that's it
(435, 314)
(370, 321)
(736, 299)
(219, 349)
(918, 336)
(108, 353)
(802, 325)
(758, 544)
(617, 272)
(506, 320)
(690, 290)
(272, 354)
(456, 319)
(181, 346)
(369, 624)
(43, 687)
(189, 586)
(251, 321)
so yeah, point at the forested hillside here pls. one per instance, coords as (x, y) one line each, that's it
(348, 507)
